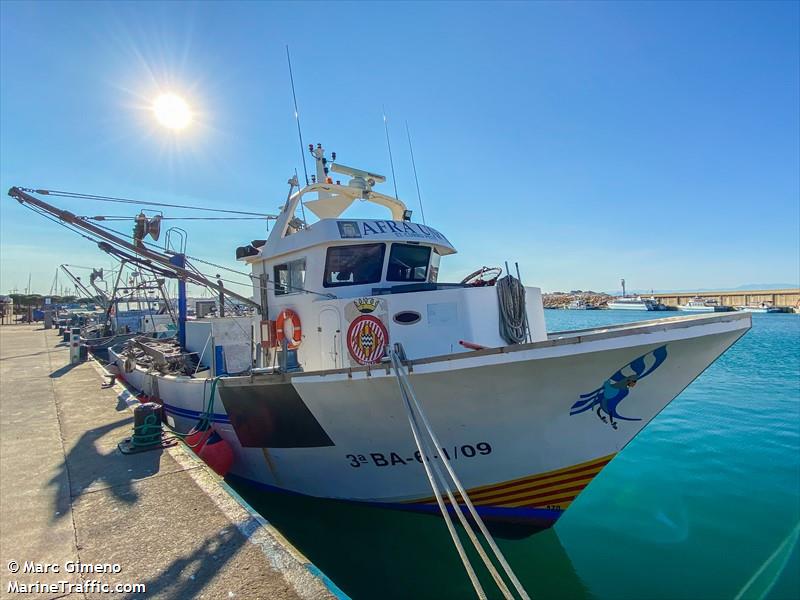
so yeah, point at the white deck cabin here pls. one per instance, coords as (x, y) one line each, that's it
(353, 283)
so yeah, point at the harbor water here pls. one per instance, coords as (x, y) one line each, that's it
(704, 503)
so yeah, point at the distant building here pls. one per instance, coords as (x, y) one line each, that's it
(6, 310)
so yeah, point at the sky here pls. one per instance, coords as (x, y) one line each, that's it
(659, 142)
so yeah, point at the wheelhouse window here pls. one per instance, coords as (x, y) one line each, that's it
(433, 272)
(353, 265)
(290, 277)
(408, 262)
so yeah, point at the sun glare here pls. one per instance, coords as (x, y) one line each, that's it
(172, 111)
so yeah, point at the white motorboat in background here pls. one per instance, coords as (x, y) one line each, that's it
(762, 307)
(632, 303)
(698, 304)
(580, 304)
(626, 302)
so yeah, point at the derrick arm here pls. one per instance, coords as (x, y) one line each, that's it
(23, 197)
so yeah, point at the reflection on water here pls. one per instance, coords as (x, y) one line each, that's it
(373, 552)
(703, 504)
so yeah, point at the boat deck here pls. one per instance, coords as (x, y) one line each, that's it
(68, 494)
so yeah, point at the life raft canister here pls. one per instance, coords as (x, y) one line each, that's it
(297, 334)
(217, 454)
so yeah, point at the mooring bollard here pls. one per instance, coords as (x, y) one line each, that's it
(75, 345)
(148, 433)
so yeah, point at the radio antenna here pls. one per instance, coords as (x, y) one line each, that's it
(389, 146)
(416, 179)
(297, 115)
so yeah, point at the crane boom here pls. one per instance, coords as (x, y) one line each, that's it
(23, 197)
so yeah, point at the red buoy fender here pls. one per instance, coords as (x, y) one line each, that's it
(287, 314)
(197, 439)
(217, 454)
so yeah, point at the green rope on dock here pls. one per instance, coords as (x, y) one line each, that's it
(148, 433)
(205, 417)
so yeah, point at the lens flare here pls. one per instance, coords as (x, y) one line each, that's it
(172, 111)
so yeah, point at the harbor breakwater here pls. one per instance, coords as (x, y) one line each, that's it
(787, 299)
(562, 299)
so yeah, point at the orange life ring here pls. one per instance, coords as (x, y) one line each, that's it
(297, 334)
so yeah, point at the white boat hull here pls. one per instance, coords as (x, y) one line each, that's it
(629, 306)
(503, 416)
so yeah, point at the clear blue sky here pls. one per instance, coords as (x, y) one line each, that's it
(659, 142)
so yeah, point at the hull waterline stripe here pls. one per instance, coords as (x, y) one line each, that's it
(536, 492)
(540, 497)
(599, 462)
(565, 496)
(544, 517)
(517, 486)
(525, 489)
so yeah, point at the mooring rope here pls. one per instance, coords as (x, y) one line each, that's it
(511, 296)
(428, 447)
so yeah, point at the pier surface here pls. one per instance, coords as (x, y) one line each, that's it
(68, 495)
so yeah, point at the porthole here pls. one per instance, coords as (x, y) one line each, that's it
(407, 317)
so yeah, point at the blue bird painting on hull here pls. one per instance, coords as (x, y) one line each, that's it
(617, 387)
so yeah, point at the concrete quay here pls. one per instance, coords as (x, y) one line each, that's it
(787, 298)
(69, 497)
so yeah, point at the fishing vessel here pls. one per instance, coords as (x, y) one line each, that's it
(698, 304)
(131, 309)
(307, 398)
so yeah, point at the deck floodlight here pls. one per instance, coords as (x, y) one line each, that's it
(407, 214)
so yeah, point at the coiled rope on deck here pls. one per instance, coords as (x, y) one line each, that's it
(513, 322)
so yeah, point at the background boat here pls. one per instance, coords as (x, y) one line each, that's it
(632, 303)
(698, 304)
(763, 307)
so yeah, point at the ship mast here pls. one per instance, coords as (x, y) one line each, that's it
(322, 168)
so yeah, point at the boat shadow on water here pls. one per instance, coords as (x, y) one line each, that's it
(373, 552)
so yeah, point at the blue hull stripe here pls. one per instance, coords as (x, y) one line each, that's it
(185, 412)
(193, 414)
(543, 517)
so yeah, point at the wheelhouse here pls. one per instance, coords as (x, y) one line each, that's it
(391, 255)
(335, 292)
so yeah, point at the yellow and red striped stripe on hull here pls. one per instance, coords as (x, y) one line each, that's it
(552, 489)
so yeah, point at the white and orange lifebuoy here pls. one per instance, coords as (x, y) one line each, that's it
(287, 314)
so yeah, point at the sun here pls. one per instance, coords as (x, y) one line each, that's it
(172, 111)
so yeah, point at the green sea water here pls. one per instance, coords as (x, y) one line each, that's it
(704, 503)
